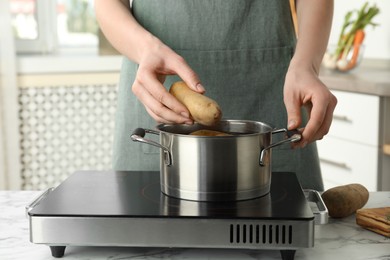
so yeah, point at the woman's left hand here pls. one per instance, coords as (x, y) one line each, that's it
(303, 88)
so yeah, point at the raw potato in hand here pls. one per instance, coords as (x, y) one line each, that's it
(203, 110)
(343, 201)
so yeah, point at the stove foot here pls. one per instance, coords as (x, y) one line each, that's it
(287, 254)
(57, 251)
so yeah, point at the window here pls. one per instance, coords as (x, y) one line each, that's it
(24, 20)
(45, 26)
(32, 25)
(76, 23)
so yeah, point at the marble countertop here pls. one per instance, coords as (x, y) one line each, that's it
(339, 239)
(371, 80)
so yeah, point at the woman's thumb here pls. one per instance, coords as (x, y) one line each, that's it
(188, 75)
(293, 116)
(192, 80)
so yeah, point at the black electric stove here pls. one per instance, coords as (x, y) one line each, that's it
(95, 208)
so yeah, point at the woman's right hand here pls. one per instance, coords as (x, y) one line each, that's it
(155, 59)
(156, 62)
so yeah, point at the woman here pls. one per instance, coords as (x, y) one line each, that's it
(245, 54)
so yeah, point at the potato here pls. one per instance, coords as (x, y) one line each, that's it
(205, 132)
(343, 201)
(203, 110)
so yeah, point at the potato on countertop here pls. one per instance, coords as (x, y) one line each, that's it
(343, 201)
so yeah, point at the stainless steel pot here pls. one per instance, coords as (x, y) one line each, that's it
(215, 168)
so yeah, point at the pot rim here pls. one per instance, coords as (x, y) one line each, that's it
(184, 129)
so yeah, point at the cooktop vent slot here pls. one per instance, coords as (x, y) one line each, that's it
(260, 234)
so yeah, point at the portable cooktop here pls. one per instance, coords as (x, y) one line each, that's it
(96, 208)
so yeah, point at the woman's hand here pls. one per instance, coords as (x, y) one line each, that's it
(303, 88)
(156, 62)
(155, 59)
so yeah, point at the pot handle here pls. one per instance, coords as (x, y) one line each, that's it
(292, 137)
(138, 136)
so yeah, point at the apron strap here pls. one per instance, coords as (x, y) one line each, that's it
(293, 16)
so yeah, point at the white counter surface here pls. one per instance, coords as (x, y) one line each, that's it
(365, 79)
(339, 239)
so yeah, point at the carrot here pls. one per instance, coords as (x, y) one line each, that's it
(350, 37)
(357, 42)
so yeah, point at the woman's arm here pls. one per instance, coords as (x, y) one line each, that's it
(302, 85)
(155, 59)
(314, 24)
(122, 30)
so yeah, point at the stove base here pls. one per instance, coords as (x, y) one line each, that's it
(287, 254)
(59, 251)
(127, 209)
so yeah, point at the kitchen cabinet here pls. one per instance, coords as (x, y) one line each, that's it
(350, 152)
(356, 147)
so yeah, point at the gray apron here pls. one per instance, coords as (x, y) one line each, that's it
(241, 51)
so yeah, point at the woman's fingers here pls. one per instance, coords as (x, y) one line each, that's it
(160, 104)
(154, 66)
(316, 112)
(304, 89)
(184, 71)
(321, 116)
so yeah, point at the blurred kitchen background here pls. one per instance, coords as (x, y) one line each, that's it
(58, 83)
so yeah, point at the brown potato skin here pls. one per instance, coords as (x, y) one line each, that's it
(343, 201)
(203, 109)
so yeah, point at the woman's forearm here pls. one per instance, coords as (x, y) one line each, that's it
(314, 24)
(155, 59)
(121, 29)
